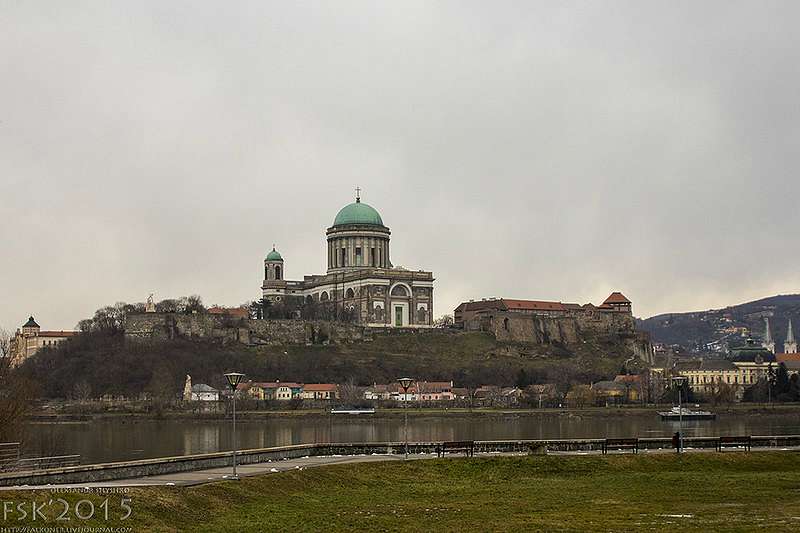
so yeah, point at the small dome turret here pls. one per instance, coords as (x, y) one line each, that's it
(274, 255)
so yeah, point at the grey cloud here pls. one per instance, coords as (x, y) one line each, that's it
(530, 149)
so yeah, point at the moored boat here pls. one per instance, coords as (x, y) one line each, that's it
(678, 413)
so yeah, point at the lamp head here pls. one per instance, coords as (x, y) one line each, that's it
(405, 382)
(234, 378)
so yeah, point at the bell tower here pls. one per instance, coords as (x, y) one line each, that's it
(274, 286)
(273, 266)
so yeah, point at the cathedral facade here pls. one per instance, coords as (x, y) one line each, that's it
(361, 283)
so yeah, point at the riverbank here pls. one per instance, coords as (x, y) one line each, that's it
(702, 492)
(394, 413)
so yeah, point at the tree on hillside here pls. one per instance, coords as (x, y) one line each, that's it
(670, 395)
(781, 387)
(15, 393)
(444, 321)
(581, 396)
(192, 304)
(758, 392)
(523, 380)
(721, 393)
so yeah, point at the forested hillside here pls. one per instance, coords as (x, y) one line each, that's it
(705, 330)
(102, 362)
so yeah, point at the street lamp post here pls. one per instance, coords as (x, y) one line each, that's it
(680, 380)
(405, 383)
(234, 378)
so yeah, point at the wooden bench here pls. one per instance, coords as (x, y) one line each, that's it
(621, 444)
(733, 442)
(466, 447)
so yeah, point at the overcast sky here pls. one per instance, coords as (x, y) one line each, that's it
(543, 150)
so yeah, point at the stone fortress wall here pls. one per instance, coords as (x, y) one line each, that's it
(505, 327)
(166, 326)
(570, 329)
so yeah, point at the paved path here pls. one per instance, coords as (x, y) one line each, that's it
(197, 477)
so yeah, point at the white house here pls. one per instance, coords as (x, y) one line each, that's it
(204, 393)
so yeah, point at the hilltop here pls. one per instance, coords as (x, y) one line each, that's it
(715, 329)
(103, 362)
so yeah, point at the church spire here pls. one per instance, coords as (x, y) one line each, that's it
(768, 342)
(790, 344)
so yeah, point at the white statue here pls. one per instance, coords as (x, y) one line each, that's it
(187, 389)
(150, 307)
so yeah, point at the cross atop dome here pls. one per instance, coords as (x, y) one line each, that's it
(358, 195)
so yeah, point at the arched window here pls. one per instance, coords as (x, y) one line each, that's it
(399, 290)
(266, 272)
(309, 299)
(505, 324)
(324, 297)
(277, 272)
(350, 294)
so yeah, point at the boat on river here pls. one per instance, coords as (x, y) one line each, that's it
(676, 413)
(353, 411)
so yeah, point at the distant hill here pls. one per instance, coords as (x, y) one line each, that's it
(713, 330)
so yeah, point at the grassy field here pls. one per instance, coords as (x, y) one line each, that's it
(695, 492)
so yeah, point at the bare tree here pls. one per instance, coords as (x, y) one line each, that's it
(444, 321)
(15, 393)
(82, 391)
(349, 392)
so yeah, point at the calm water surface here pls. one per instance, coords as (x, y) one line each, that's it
(127, 438)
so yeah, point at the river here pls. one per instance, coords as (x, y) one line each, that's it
(120, 439)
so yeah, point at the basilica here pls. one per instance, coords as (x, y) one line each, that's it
(361, 283)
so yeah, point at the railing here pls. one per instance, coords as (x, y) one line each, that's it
(11, 459)
(168, 465)
(41, 463)
(9, 455)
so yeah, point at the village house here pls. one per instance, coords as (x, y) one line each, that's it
(319, 391)
(204, 393)
(609, 392)
(272, 390)
(425, 391)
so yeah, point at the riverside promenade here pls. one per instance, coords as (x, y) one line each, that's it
(207, 468)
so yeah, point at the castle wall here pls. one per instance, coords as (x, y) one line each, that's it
(570, 329)
(165, 326)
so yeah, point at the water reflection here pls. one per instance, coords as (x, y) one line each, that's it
(125, 439)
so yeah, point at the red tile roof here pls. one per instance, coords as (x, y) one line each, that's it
(276, 384)
(57, 333)
(534, 305)
(784, 357)
(616, 298)
(320, 387)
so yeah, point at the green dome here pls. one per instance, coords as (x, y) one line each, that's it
(274, 256)
(358, 213)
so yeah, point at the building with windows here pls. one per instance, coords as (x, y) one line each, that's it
(320, 391)
(204, 393)
(31, 338)
(361, 283)
(468, 314)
